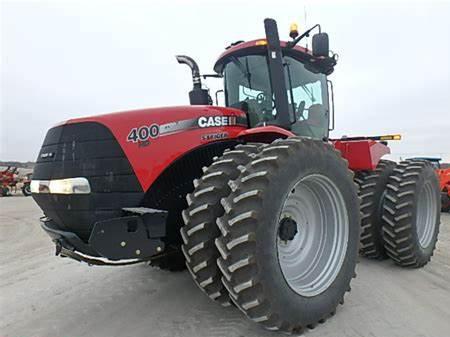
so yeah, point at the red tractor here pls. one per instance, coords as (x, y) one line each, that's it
(444, 178)
(9, 179)
(265, 210)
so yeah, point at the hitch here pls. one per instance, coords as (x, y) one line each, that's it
(130, 237)
(134, 237)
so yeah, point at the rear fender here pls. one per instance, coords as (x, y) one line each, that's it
(362, 154)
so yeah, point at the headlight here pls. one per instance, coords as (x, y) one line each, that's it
(39, 186)
(61, 186)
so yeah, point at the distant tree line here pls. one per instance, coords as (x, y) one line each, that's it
(28, 164)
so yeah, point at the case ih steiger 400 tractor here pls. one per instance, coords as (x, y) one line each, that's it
(266, 211)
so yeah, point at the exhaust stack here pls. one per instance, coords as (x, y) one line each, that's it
(197, 96)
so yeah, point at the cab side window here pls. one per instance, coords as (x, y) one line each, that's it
(308, 99)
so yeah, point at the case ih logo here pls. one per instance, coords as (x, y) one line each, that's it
(207, 122)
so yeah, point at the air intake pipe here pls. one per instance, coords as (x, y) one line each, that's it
(197, 96)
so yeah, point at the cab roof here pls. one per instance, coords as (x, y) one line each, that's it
(259, 46)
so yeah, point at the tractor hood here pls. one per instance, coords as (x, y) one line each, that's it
(164, 134)
(90, 169)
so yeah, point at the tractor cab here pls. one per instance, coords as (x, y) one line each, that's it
(248, 87)
(279, 83)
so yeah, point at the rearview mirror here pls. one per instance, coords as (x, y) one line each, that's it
(320, 45)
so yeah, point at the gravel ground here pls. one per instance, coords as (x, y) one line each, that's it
(46, 296)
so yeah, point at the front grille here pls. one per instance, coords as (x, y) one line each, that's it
(85, 150)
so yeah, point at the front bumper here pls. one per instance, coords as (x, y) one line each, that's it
(134, 237)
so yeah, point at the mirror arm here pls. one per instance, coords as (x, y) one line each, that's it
(293, 43)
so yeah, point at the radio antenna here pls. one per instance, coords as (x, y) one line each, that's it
(305, 14)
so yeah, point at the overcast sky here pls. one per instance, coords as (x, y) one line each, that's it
(64, 59)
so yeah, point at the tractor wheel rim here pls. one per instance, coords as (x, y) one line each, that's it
(313, 258)
(426, 215)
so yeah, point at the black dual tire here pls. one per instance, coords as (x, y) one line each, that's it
(200, 228)
(411, 214)
(250, 228)
(372, 187)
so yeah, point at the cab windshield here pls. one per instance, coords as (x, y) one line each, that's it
(248, 87)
